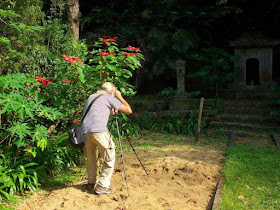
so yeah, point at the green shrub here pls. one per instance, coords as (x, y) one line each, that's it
(16, 177)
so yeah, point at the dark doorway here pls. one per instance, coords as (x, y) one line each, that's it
(252, 72)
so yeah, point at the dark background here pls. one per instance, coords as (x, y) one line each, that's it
(168, 30)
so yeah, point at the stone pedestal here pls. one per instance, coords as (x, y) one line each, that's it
(181, 73)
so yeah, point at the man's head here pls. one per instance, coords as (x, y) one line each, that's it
(108, 87)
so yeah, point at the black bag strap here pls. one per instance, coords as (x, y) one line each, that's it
(93, 100)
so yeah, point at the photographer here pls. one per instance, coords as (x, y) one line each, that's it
(96, 134)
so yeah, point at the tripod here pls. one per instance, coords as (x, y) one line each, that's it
(119, 138)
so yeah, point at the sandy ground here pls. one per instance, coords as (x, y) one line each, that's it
(181, 177)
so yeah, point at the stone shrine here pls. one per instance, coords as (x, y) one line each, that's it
(254, 65)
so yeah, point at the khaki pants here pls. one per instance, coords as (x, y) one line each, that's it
(106, 147)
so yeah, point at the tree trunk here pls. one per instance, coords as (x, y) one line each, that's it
(74, 15)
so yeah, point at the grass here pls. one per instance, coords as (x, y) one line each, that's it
(159, 140)
(252, 178)
(64, 177)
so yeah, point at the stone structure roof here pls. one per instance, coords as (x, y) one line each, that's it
(256, 40)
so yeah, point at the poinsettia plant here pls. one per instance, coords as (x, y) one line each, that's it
(68, 89)
(114, 64)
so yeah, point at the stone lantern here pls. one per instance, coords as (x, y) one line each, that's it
(181, 73)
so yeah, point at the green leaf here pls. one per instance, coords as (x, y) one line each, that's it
(31, 152)
(42, 144)
(124, 117)
(8, 13)
(24, 108)
(134, 60)
(39, 133)
(9, 197)
(19, 129)
(40, 98)
(33, 90)
(16, 81)
(111, 67)
(81, 75)
(5, 41)
(49, 113)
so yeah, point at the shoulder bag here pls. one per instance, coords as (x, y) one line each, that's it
(76, 134)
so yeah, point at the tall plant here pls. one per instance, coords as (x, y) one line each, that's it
(24, 133)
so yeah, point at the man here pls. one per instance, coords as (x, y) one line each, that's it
(95, 130)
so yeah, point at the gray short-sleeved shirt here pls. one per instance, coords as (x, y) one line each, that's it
(97, 118)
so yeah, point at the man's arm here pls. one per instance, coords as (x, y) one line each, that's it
(125, 108)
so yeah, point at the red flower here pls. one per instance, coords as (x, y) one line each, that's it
(109, 40)
(106, 53)
(133, 48)
(129, 54)
(67, 58)
(43, 80)
(112, 39)
(102, 53)
(74, 121)
(104, 40)
(78, 60)
(71, 59)
(66, 81)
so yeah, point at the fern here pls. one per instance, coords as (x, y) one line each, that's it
(8, 13)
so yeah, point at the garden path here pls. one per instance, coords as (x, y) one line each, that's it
(181, 177)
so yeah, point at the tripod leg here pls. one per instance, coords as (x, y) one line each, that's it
(137, 156)
(122, 155)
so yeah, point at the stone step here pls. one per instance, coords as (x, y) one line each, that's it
(149, 105)
(193, 104)
(248, 111)
(251, 103)
(181, 113)
(263, 129)
(252, 119)
(237, 133)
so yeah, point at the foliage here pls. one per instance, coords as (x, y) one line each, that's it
(276, 112)
(30, 40)
(175, 123)
(215, 66)
(114, 64)
(16, 177)
(37, 106)
(24, 129)
(168, 91)
(126, 126)
(165, 30)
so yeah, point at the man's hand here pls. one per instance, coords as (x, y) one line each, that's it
(118, 94)
(113, 112)
(125, 108)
